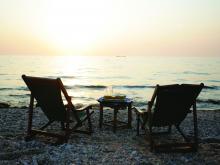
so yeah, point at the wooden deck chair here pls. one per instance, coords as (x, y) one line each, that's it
(48, 94)
(172, 104)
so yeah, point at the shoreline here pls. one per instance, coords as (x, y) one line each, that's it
(78, 105)
(103, 146)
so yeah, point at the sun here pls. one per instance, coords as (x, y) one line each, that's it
(75, 26)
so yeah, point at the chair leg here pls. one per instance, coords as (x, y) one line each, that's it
(89, 121)
(151, 139)
(100, 116)
(195, 126)
(46, 125)
(142, 126)
(145, 120)
(74, 129)
(67, 134)
(115, 120)
(67, 128)
(62, 125)
(138, 124)
(169, 129)
(181, 132)
(30, 116)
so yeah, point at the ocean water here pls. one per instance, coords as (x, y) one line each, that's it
(87, 77)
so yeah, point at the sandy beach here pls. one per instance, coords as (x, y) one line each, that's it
(103, 146)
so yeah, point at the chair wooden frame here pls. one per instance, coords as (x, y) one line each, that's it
(65, 122)
(145, 117)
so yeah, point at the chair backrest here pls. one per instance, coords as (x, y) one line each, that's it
(47, 92)
(173, 102)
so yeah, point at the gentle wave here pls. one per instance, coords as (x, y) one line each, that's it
(198, 73)
(64, 77)
(111, 77)
(135, 86)
(6, 89)
(212, 87)
(82, 97)
(19, 95)
(209, 101)
(24, 88)
(204, 101)
(114, 86)
(213, 80)
(138, 102)
(67, 77)
(87, 86)
(96, 77)
(128, 86)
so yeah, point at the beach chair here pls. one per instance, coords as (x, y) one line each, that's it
(172, 104)
(48, 94)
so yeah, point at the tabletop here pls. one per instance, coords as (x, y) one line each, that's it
(115, 102)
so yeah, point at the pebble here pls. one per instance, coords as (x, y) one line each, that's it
(103, 146)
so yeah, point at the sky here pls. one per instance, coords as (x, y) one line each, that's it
(110, 27)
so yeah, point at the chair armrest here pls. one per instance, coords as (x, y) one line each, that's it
(139, 111)
(189, 111)
(87, 107)
(150, 104)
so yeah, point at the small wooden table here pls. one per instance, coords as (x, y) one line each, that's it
(115, 105)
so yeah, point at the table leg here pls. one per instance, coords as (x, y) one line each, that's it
(129, 116)
(100, 116)
(115, 120)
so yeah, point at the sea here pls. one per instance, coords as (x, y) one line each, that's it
(87, 78)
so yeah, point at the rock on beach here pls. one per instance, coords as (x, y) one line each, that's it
(4, 105)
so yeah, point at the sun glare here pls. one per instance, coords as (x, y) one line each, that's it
(74, 25)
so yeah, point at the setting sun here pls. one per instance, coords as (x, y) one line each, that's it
(75, 25)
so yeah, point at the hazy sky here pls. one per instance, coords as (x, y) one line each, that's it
(116, 27)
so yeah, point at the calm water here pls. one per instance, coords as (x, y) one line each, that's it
(86, 78)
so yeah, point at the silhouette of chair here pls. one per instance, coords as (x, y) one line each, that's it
(173, 103)
(48, 94)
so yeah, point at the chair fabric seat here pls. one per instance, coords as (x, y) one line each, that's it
(172, 104)
(81, 114)
(48, 94)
